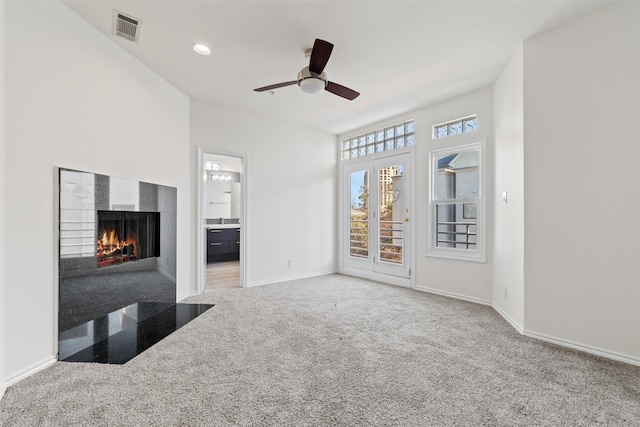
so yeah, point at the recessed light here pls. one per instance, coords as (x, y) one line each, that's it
(201, 49)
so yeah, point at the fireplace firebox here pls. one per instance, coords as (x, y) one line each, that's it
(125, 236)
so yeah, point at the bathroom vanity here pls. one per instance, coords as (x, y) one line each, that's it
(223, 242)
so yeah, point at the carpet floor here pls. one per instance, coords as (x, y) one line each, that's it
(336, 351)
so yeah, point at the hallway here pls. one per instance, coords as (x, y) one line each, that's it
(223, 275)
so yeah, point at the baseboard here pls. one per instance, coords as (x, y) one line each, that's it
(30, 371)
(168, 276)
(3, 388)
(454, 295)
(184, 296)
(290, 278)
(632, 360)
(377, 277)
(508, 318)
(542, 337)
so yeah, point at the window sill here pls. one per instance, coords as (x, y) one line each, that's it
(456, 256)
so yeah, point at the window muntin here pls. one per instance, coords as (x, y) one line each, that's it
(381, 140)
(455, 127)
(456, 203)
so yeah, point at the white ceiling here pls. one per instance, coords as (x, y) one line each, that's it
(401, 55)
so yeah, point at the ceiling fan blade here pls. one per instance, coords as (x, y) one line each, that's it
(320, 56)
(275, 86)
(342, 91)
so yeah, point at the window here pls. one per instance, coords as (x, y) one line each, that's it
(385, 139)
(456, 202)
(455, 127)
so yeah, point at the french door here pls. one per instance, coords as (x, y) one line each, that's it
(377, 226)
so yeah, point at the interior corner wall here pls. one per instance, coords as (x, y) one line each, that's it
(508, 242)
(291, 190)
(581, 109)
(2, 199)
(75, 99)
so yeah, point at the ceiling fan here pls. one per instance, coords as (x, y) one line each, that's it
(313, 79)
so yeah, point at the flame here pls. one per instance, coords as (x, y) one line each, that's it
(109, 244)
(112, 240)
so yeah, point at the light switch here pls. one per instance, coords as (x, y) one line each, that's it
(504, 197)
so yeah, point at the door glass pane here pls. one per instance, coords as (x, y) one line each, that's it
(359, 215)
(391, 224)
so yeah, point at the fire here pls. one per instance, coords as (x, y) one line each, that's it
(109, 243)
(111, 250)
(112, 240)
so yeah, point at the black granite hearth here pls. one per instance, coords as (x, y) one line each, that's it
(121, 335)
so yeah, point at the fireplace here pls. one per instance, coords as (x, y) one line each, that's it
(117, 245)
(117, 267)
(125, 236)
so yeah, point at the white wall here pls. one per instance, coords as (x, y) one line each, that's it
(75, 99)
(508, 244)
(581, 110)
(291, 184)
(462, 279)
(2, 199)
(467, 279)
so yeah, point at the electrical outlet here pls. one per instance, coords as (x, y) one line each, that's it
(290, 263)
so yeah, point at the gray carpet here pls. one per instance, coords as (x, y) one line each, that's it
(335, 351)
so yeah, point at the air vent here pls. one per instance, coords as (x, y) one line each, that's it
(126, 26)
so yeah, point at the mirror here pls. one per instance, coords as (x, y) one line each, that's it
(223, 200)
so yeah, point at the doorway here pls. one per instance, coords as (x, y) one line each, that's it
(376, 219)
(222, 219)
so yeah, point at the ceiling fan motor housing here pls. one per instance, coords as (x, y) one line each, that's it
(311, 82)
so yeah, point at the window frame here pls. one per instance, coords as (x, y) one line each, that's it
(479, 253)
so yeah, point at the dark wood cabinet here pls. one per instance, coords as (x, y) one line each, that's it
(223, 244)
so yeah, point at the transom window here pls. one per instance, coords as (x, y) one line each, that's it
(454, 127)
(385, 139)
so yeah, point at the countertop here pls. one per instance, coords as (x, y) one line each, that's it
(210, 226)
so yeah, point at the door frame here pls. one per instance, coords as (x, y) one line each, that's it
(201, 253)
(342, 218)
